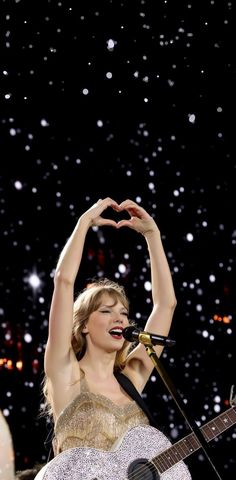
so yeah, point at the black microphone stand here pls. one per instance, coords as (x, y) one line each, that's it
(145, 339)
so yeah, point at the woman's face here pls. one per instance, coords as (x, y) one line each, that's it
(105, 325)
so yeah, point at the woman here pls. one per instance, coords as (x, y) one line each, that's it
(86, 347)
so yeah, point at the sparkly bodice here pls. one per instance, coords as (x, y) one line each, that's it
(94, 421)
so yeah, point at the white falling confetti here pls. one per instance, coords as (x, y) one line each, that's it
(44, 122)
(110, 44)
(189, 237)
(191, 118)
(18, 185)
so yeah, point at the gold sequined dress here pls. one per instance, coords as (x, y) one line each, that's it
(94, 421)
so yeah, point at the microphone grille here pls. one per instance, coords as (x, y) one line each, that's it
(129, 333)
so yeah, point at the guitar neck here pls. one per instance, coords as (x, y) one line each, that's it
(189, 444)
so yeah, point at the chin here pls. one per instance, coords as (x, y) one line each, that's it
(115, 349)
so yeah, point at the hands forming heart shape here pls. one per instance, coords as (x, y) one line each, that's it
(139, 219)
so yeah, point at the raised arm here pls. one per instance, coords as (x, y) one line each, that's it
(139, 366)
(58, 349)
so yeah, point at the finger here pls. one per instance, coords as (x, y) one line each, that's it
(106, 221)
(133, 211)
(116, 208)
(124, 223)
(107, 200)
(129, 205)
(102, 204)
(110, 201)
(98, 202)
(136, 211)
(127, 202)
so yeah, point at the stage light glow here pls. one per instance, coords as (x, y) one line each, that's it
(34, 281)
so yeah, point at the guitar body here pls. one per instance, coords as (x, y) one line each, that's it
(131, 460)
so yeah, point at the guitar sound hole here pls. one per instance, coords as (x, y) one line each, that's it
(142, 469)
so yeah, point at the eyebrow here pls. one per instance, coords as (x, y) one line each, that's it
(113, 305)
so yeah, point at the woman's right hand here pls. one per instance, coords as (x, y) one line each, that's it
(94, 214)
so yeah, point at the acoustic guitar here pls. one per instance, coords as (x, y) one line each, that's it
(144, 453)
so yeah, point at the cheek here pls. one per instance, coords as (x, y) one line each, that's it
(98, 325)
(127, 322)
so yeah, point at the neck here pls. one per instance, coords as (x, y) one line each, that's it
(100, 365)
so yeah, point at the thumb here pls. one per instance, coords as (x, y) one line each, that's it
(124, 223)
(107, 221)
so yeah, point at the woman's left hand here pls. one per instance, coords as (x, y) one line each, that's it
(139, 219)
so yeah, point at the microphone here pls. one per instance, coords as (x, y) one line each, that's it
(134, 334)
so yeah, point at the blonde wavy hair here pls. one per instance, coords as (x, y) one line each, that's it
(86, 303)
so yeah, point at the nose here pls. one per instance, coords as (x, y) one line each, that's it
(122, 318)
(119, 320)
